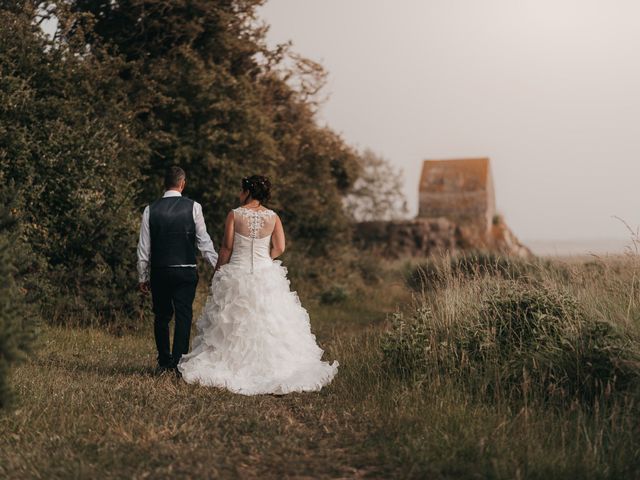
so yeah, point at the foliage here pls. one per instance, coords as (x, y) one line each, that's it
(404, 346)
(17, 319)
(521, 340)
(90, 119)
(208, 94)
(335, 294)
(368, 267)
(377, 193)
(65, 144)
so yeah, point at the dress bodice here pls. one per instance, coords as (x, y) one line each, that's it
(252, 237)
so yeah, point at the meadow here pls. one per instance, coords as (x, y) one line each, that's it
(415, 397)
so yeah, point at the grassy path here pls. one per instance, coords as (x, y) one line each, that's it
(91, 407)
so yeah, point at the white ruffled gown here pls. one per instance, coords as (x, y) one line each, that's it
(254, 336)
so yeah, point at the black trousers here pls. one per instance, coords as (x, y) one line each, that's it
(172, 291)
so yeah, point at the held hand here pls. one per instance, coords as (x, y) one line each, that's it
(144, 288)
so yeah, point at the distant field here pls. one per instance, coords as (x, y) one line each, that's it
(91, 407)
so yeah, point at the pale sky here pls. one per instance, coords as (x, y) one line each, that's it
(548, 89)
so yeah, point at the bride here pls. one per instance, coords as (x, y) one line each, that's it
(253, 336)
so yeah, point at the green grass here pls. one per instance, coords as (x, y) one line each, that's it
(89, 406)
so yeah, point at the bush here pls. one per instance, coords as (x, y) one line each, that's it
(208, 93)
(16, 318)
(406, 345)
(90, 119)
(334, 294)
(368, 267)
(521, 340)
(66, 145)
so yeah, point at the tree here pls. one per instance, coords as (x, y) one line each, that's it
(209, 95)
(377, 194)
(90, 119)
(66, 145)
(17, 319)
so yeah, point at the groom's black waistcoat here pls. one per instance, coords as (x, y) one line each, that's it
(173, 232)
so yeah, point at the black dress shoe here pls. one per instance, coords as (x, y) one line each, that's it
(161, 369)
(174, 368)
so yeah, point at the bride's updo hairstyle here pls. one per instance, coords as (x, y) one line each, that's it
(258, 186)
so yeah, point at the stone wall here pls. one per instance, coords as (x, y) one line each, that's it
(423, 237)
(408, 238)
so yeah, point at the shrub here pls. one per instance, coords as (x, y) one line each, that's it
(335, 294)
(406, 345)
(66, 145)
(90, 119)
(521, 340)
(209, 94)
(368, 267)
(16, 318)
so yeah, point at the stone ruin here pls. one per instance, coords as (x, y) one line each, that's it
(457, 212)
(460, 190)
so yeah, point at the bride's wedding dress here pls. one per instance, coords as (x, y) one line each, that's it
(253, 336)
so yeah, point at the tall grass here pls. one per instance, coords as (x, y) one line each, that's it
(551, 349)
(509, 339)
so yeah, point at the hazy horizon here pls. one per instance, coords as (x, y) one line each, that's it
(547, 89)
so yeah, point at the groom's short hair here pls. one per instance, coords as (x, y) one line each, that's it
(173, 176)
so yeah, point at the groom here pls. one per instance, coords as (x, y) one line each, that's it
(172, 227)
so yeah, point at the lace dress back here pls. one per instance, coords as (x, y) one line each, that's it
(252, 239)
(254, 224)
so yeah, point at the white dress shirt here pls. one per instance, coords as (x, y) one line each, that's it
(203, 241)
